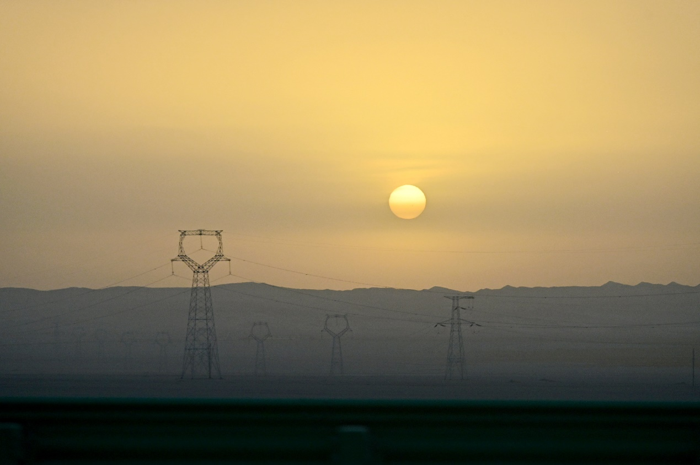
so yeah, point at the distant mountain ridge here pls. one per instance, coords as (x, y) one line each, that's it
(610, 286)
(393, 330)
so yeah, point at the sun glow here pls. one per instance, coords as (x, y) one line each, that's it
(407, 202)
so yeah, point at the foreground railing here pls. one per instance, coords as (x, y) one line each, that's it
(165, 431)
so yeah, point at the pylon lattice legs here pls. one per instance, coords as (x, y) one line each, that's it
(260, 368)
(201, 351)
(336, 357)
(455, 350)
(163, 359)
(339, 325)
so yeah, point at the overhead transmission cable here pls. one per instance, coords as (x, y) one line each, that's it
(555, 297)
(470, 293)
(345, 302)
(107, 315)
(471, 252)
(91, 257)
(307, 274)
(94, 304)
(617, 326)
(89, 291)
(489, 324)
(313, 307)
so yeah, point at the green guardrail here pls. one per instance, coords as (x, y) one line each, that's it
(318, 431)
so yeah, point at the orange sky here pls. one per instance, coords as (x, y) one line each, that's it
(557, 142)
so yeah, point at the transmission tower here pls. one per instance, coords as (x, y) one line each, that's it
(336, 326)
(201, 350)
(260, 331)
(455, 350)
(163, 340)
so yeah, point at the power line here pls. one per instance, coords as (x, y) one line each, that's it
(307, 274)
(306, 306)
(91, 257)
(357, 304)
(616, 296)
(130, 291)
(119, 312)
(548, 337)
(474, 252)
(294, 291)
(632, 325)
(89, 291)
(480, 294)
(418, 314)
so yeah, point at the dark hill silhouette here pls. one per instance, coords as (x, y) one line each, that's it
(393, 330)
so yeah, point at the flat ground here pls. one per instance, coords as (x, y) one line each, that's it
(537, 384)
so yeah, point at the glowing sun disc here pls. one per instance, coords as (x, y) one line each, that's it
(407, 202)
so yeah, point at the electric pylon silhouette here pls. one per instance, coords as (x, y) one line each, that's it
(201, 350)
(455, 350)
(338, 326)
(260, 331)
(163, 340)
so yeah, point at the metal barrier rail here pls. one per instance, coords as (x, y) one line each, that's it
(318, 431)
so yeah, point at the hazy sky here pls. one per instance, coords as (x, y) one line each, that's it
(557, 142)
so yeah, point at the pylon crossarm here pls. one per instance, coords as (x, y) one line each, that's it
(200, 232)
(259, 338)
(343, 332)
(206, 266)
(191, 264)
(209, 264)
(347, 324)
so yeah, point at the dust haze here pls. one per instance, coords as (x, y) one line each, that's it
(612, 342)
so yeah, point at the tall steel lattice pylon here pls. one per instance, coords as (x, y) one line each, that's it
(260, 331)
(201, 351)
(455, 350)
(341, 326)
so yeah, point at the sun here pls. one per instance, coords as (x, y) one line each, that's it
(407, 202)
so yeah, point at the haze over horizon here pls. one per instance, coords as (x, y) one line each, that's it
(556, 142)
(573, 335)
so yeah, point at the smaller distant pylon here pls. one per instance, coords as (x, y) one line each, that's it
(455, 350)
(336, 326)
(260, 331)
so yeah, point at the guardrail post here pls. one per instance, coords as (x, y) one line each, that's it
(353, 445)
